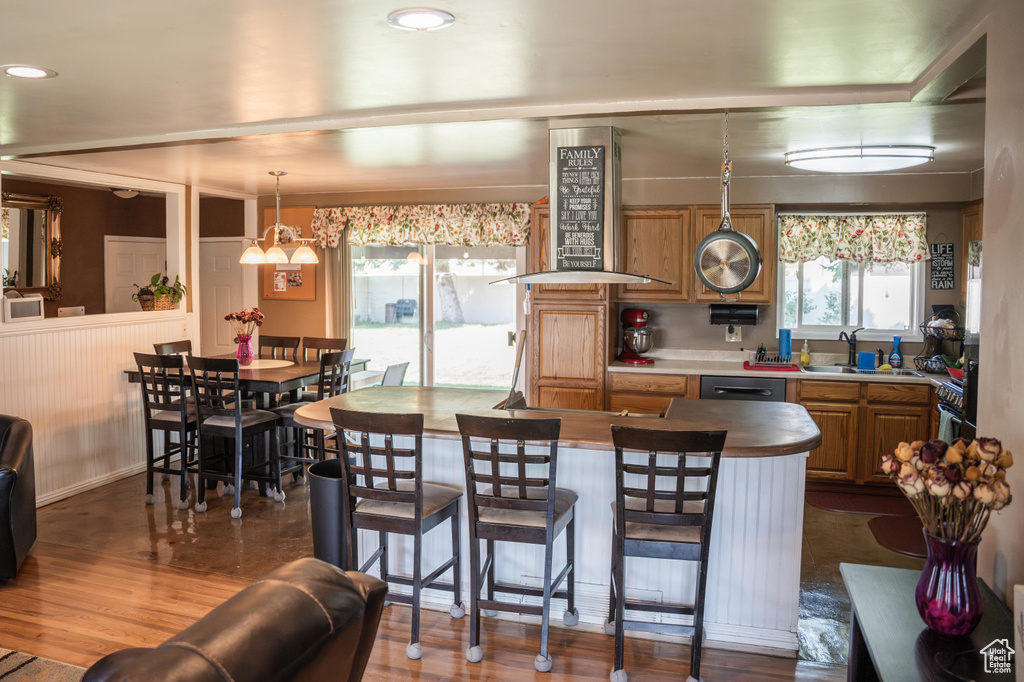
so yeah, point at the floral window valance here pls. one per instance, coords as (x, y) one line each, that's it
(454, 224)
(860, 238)
(5, 223)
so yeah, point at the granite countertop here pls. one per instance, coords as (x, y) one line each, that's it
(730, 363)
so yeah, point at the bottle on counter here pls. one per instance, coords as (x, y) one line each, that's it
(805, 355)
(879, 357)
(896, 357)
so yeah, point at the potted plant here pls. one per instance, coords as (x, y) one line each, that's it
(158, 294)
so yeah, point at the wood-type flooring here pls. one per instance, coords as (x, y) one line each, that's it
(108, 572)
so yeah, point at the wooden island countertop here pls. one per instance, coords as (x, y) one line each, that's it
(756, 429)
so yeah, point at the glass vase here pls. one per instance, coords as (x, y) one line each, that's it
(244, 354)
(948, 597)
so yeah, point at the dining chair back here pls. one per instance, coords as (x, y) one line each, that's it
(320, 345)
(278, 347)
(664, 504)
(162, 378)
(384, 491)
(218, 401)
(511, 473)
(394, 375)
(174, 347)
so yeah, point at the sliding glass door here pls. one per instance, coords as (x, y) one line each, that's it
(433, 306)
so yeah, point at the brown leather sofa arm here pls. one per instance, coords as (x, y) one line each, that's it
(17, 494)
(304, 621)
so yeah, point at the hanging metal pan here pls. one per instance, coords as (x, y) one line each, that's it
(727, 261)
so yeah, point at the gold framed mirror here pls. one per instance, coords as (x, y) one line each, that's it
(32, 243)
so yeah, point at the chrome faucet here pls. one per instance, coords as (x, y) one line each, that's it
(852, 340)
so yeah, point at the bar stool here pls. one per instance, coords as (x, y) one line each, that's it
(333, 380)
(663, 510)
(516, 506)
(218, 403)
(321, 344)
(162, 378)
(173, 347)
(393, 499)
(342, 382)
(278, 346)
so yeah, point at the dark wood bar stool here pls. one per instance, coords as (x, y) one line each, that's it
(218, 402)
(319, 345)
(394, 499)
(307, 445)
(509, 504)
(278, 347)
(162, 378)
(341, 383)
(658, 515)
(173, 347)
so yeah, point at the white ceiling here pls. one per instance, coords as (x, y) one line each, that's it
(217, 93)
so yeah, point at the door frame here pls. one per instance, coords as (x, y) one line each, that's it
(249, 287)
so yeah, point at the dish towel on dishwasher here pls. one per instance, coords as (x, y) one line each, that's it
(948, 429)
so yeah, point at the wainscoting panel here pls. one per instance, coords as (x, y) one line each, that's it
(70, 384)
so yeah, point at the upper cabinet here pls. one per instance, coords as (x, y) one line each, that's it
(540, 234)
(656, 242)
(971, 231)
(759, 223)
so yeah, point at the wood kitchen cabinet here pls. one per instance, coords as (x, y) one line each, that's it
(540, 261)
(756, 221)
(568, 355)
(648, 393)
(970, 230)
(656, 242)
(859, 422)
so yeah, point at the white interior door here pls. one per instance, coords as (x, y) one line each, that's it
(128, 261)
(220, 281)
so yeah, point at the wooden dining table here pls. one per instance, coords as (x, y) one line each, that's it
(267, 378)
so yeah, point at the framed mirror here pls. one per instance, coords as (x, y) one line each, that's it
(31, 243)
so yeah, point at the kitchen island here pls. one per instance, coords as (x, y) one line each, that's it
(754, 574)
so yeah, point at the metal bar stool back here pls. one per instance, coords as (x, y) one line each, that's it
(162, 378)
(664, 504)
(384, 491)
(321, 344)
(278, 347)
(513, 498)
(218, 402)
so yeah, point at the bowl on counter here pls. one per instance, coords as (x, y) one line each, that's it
(957, 374)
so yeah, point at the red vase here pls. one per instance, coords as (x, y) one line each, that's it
(948, 597)
(244, 354)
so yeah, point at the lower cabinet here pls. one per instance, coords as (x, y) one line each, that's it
(568, 361)
(859, 422)
(647, 393)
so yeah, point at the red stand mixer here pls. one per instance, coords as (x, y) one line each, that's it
(637, 337)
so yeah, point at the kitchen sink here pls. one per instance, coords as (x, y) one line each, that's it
(830, 369)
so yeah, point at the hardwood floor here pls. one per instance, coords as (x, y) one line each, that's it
(109, 572)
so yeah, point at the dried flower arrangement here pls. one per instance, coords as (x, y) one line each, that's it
(245, 322)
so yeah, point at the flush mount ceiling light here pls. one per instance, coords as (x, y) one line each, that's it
(125, 193)
(420, 19)
(877, 159)
(254, 255)
(27, 71)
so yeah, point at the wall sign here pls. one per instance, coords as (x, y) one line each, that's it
(580, 207)
(942, 266)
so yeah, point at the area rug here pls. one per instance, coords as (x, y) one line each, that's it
(900, 534)
(853, 503)
(18, 667)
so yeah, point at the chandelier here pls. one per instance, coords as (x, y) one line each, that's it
(283, 234)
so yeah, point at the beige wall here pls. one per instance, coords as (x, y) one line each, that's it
(1001, 557)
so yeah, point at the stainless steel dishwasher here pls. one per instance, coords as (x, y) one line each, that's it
(743, 388)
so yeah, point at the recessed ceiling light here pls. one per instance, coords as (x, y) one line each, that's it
(420, 19)
(877, 159)
(26, 71)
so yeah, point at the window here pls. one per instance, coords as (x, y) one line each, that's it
(820, 295)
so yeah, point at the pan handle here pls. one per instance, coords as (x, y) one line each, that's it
(729, 300)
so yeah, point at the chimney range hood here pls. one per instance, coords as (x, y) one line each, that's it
(584, 182)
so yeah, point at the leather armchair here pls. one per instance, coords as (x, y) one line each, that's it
(304, 621)
(17, 494)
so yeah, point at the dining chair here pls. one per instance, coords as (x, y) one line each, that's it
(513, 498)
(162, 378)
(173, 347)
(664, 503)
(333, 380)
(278, 347)
(384, 491)
(394, 375)
(321, 344)
(344, 381)
(218, 402)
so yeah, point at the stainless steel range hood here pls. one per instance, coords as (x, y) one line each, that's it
(584, 183)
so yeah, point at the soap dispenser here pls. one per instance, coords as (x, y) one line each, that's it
(896, 357)
(805, 355)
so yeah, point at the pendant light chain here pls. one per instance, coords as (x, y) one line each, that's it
(725, 142)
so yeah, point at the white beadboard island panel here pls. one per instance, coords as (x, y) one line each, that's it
(67, 378)
(753, 585)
